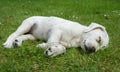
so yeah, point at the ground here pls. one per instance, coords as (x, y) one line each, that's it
(28, 58)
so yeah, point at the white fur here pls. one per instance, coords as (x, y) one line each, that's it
(59, 33)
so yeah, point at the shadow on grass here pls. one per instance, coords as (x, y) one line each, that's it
(0, 37)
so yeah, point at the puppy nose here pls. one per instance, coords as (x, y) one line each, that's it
(90, 49)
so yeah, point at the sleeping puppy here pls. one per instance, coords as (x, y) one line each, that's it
(59, 34)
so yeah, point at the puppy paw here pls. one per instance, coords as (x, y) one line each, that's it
(55, 50)
(42, 45)
(8, 45)
(18, 42)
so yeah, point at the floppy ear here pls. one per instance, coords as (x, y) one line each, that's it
(94, 26)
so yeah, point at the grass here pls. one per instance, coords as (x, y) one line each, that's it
(27, 58)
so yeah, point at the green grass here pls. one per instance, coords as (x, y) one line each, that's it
(27, 58)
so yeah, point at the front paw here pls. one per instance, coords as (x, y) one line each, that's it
(55, 50)
(42, 45)
(8, 45)
(17, 42)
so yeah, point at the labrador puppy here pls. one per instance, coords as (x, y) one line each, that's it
(59, 34)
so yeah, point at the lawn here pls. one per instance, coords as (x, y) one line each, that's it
(28, 58)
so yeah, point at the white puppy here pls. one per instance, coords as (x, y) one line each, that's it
(59, 34)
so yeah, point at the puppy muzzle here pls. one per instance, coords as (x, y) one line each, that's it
(90, 49)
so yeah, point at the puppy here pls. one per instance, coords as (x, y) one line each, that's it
(59, 34)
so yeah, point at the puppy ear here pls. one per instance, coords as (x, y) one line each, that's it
(94, 26)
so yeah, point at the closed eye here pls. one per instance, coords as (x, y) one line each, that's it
(98, 40)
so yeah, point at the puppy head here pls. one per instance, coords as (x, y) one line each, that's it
(94, 38)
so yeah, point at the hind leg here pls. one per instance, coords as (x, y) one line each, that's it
(24, 28)
(18, 41)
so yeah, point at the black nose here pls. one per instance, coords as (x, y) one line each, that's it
(90, 49)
